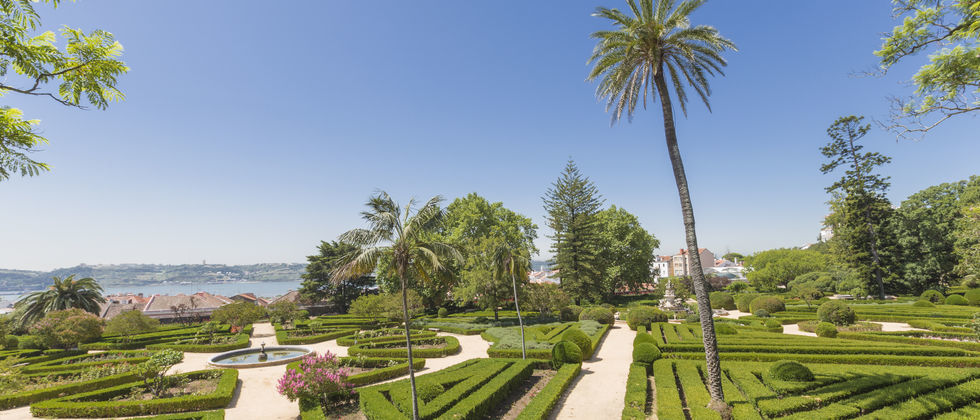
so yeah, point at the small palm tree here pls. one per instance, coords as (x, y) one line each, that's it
(656, 43)
(508, 261)
(405, 237)
(67, 293)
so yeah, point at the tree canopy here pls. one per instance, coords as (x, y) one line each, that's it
(573, 203)
(625, 255)
(317, 280)
(777, 267)
(82, 72)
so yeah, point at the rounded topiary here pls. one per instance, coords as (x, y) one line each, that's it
(644, 315)
(972, 297)
(646, 353)
(826, 329)
(788, 370)
(578, 337)
(836, 312)
(443, 312)
(598, 314)
(722, 300)
(10, 342)
(565, 352)
(933, 296)
(644, 338)
(761, 313)
(428, 391)
(771, 304)
(773, 324)
(744, 302)
(956, 300)
(725, 328)
(923, 304)
(570, 313)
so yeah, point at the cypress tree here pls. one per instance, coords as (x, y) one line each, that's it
(573, 203)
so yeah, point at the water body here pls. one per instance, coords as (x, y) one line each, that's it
(260, 289)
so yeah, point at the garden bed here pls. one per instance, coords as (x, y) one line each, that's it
(421, 347)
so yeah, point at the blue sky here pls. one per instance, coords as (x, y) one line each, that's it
(251, 132)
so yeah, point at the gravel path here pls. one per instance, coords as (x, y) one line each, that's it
(598, 392)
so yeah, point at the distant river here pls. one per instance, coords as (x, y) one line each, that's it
(264, 289)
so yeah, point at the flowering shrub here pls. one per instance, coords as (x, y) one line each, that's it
(319, 378)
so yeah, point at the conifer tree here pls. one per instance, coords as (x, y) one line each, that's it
(573, 203)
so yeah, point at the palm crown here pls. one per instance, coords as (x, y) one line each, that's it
(656, 38)
(84, 294)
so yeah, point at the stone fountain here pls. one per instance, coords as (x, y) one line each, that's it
(669, 302)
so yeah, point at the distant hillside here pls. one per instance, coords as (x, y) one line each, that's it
(144, 274)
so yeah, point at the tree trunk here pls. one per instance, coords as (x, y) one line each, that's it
(519, 320)
(697, 274)
(408, 344)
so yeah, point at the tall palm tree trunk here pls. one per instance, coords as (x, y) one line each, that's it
(704, 305)
(519, 319)
(408, 344)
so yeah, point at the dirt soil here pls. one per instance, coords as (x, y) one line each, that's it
(510, 408)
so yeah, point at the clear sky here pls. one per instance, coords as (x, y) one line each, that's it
(252, 130)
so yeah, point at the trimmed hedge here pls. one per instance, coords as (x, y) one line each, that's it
(198, 415)
(24, 398)
(599, 314)
(77, 363)
(578, 337)
(644, 316)
(722, 300)
(826, 329)
(376, 375)
(923, 304)
(770, 304)
(972, 297)
(645, 354)
(451, 346)
(349, 340)
(541, 405)
(850, 359)
(283, 338)
(570, 313)
(636, 392)
(241, 342)
(933, 296)
(790, 370)
(836, 312)
(725, 328)
(565, 352)
(958, 300)
(744, 302)
(94, 404)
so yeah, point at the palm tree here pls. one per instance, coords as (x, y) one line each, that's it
(655, 43)
(508, 261)
(405, 237)
(67, 293)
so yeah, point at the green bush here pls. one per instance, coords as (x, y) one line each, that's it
(599, 314)
(428, 391)
(958, 300)
(644, 338)
(10, 342)
(744, 301)
(789, 370)
(836, 312)
(443, 312)
(541, 405)
(761, 313)
(973, 297)
(826, 329)
(644, 315)
(725, 328)
(646, 354)
(774, 325)
(578, 337)
(771, 304)
(933, 296)
(565, 352)
(923, 304)
(636, 392)
(722, 300)
(570, 313)
(26, 342)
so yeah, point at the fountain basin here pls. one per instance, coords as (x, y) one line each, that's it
(249, 358)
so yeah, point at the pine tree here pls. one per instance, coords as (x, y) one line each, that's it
(573, 203)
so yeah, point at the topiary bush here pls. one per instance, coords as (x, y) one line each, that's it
(570, 313)
(644, 315)
(744, 302)
(826, 329)
(923, 304)
(933, 296)
(565, 352)
(578, 337)
(761, 313)
(774, 325)
(972, 297)
(644, 338)
(789, 370)
(598, 314)
(836, 312)
(725, 328)
(480, 320)
(771, 304)
(428, 391)
(722, 300)
(958, 300)
(443, 312)
(646, 354)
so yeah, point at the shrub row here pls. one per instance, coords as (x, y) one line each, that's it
(541, 405)
(24, 398)
(197, 415)
(450, 346)
(851, 359)
(801, 348)
(480, 403)
(94, 404)
(930, 404)
(241, 341)
(636, 393)
(77, 363)
(283, 338)
(398, 334)
(886, 337)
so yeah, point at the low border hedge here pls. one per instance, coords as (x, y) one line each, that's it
(282, 337)
(541, 405)
(636, 393)
(59, 365)
(348, 340)
(24, 398)
(452, 347)
(197, 415)
(241, 342)
(81, 405)
(851, 359)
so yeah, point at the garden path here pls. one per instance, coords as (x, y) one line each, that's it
(598, 392)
